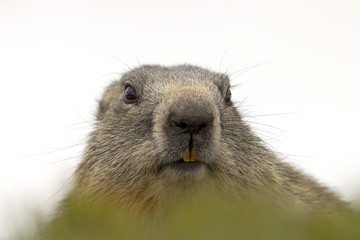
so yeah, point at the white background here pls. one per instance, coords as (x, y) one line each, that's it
(56, 57)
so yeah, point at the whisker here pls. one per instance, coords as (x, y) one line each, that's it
(53, 151)
(266, 125)
(137, 59)
(122, 62)
(60, 161)
(106, 74)
(246, 69)
(76, 124)
(223, 55)
(273, 114)
(79, 115)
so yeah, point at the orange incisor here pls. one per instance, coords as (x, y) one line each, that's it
(189, 155)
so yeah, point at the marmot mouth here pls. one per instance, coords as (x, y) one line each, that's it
(188, 162)
(182, 161)
(185, 165)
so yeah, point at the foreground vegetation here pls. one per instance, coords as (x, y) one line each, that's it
(203, 218)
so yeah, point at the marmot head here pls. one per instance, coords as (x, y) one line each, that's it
(162, 129)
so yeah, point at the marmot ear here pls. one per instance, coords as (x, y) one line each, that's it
(104, 103)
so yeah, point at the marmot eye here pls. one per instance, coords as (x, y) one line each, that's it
(129, 95)
(228, 97)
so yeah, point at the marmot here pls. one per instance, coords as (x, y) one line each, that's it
(163, 131)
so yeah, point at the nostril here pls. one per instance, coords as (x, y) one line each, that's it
(179, 124)
(182, 125)
(202, 126)
(189, 126)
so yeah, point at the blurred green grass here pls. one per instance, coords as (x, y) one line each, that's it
(205, 217)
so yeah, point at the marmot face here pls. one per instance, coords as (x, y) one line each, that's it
(165, 120)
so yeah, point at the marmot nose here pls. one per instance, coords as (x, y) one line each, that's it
(190, 125)
(191, 115)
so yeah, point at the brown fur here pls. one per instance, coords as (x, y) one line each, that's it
(130, 153)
